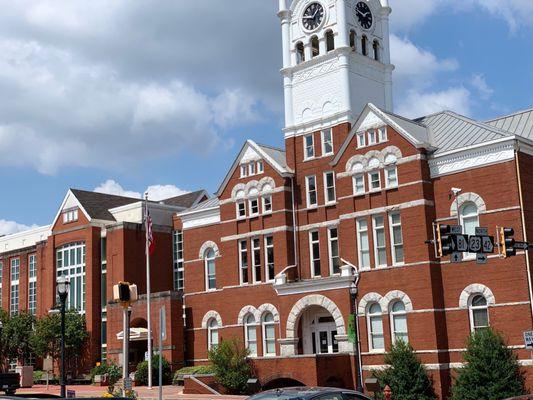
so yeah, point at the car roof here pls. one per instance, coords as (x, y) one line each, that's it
(304, 392)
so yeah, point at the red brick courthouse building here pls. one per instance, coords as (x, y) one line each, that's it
(270, 258)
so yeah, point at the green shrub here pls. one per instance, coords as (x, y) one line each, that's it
(141, 375)
(112, 370)
(231, 365)
(38, 375)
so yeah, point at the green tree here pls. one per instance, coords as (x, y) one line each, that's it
(231, 365)
(3, 345)
(491, 371)
(17, 335)
(47, 337)
(405, 374)
(141, 374)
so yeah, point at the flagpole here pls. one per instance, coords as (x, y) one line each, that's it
(148, 294)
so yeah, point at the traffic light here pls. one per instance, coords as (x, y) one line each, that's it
(507, 242)
(444, 240)
(123, 292)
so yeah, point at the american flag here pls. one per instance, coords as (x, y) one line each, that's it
(149, 233)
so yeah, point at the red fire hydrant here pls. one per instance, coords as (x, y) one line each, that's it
(387, 392)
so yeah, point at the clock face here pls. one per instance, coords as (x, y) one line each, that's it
(364, 15)
(313, 16)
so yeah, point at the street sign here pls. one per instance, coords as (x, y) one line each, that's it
(528, 339)
(460, 242)
(475, 244)
(482, 231)
(521, 245)
(488, 244)
(456, 229)
(128, 384)
(456, 257)
(481, 258)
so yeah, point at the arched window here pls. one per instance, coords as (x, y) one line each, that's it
(398, 321)
(364, 45)
(212, 334)
(375, 47)
(210, 269)
(330, 41)
(300, 53)
(375, 327)
(315, 46)
(269, 335)
(353, 39)
(250, 334)
(479, 313)
(469, 218)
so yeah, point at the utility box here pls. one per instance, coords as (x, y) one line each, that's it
(26, 376)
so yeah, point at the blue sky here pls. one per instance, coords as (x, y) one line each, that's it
(123, 96)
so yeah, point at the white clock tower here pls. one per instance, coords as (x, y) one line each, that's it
(336, 59)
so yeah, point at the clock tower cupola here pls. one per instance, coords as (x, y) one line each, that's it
(336, 59)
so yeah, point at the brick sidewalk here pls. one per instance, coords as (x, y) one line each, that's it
(169, 392)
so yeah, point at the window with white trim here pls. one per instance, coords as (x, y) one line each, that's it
(327, 142)
(210, 269)
(179, 270)
(103, 268)
(391, 177)
(256, 259)
(314, 251)
(359, 184)
(361, 140)
(241, 209)
(254, 207)
(469, 218)
(32, 284)
(1, 278)
(244, 171)
(251, 168)
(15, 281)
(398, 318)
(212, 334)
(329, 187)
(269, 256)
(70, 216)
(372, 137)
(267, 204)
(374, 180)
(374, 322)
(363, 243)
(380, 242)
(250, 334)
(334, 257)
(269, 334)
(382, 134)
(243, 261)
(310, 183)
(396, 237)
(260, 167)
(479, 312)
(309, 147)
(70, 263)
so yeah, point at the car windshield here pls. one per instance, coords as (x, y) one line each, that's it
(276, 396)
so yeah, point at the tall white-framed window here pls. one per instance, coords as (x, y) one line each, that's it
(103, 335)
(1, 279)
(244, 170)
(327, 142)
(380, 241)
(372, 137)
(103, 270)
(382, 134)
(179, 270)
(363, 244)
(396, 237)
(210, 269)
(311, 194)
(334, 257)
(32, 284)
(478, 311)
(253, 204)
(241, 209)
(243, 261)
(260, 167)
(269, 334)
(469, 218)
(267, 203)
(256, 259)
(309, 147)
(251, 168)
(374, 180)
(391, 177)
(374, 322)
(70, 263)
(361, 139)
(314, 252)
(15, 282)
(212, 334)
(359, 184)
(250, 334)
(269, 258)
(329, 187)
(398, 318)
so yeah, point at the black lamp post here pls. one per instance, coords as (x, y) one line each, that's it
(353, 297)
(63, 286)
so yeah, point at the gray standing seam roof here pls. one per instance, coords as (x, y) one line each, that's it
(276, 154)
(520, 123)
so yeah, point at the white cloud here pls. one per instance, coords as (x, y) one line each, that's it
(155, 192)
(482, 87)
(10, 227)
(232, 106)
(515, 12)
(418, 104)
(407, 14)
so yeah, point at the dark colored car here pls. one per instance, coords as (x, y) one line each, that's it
(9, 382)
(309, 393)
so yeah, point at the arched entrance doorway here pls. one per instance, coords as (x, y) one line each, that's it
(138, 342)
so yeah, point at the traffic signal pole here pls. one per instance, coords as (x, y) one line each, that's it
(125, 346)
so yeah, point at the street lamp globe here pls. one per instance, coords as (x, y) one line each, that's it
(353, 289)
(63, 285)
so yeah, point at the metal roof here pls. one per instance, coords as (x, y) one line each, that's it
(520, 123)
(209, 203)
(277, 155)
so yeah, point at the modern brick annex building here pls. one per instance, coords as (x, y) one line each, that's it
(271, 257)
